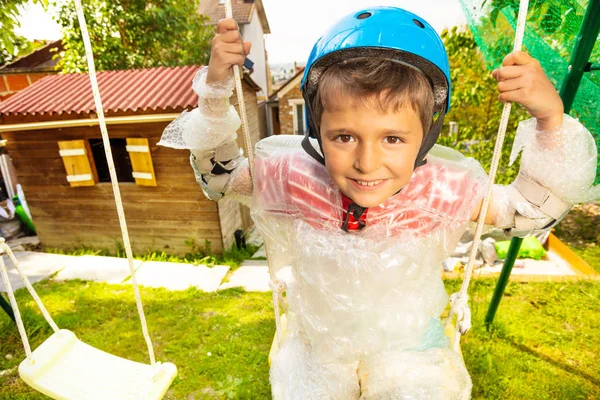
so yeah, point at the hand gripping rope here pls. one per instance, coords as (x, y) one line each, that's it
(278, 286)
(459, 301)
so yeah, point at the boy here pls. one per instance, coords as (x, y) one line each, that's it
(365, 213)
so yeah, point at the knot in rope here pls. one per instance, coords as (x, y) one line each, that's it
(277, 286)
(460, 306)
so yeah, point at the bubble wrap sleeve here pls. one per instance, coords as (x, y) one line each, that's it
(563, 161)
(213, 123)
(232, 178)
(508, 203)
(557, 170)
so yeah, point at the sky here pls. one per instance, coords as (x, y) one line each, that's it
(295, 24)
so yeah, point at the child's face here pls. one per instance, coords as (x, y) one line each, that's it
(370, 154)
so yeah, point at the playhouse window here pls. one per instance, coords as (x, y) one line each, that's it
(120, 156)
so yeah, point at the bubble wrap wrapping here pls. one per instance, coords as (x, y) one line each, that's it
(563, 161)
(507, 201)
(572, 155)
(214, 90)
(434, 373)
(376, 291)
(213, 123)
(310, 379)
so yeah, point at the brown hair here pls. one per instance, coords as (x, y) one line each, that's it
(381, 83)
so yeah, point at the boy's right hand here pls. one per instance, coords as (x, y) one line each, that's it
(227, 49)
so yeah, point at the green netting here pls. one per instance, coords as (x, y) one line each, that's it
(550, 34)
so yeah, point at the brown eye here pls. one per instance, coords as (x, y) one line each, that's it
(393, 139)
(344, 138)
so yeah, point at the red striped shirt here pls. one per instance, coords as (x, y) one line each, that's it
(292, 183)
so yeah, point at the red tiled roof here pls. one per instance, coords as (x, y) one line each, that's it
(156, 89)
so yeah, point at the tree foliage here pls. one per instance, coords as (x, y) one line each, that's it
(127, 34)
(474, 104)
(11, 44)
(21, 46)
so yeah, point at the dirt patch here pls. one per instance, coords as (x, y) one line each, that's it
(581, 226)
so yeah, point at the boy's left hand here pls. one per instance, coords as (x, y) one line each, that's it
(521, 79)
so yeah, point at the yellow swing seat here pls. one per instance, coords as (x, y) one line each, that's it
(65, 368)
(450, 329)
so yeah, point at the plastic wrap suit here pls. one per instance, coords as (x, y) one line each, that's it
(364, 306)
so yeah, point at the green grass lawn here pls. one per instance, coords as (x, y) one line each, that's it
(544, 345)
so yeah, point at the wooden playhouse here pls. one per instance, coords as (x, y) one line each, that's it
(54, 141)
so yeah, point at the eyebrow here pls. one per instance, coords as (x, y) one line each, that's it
(388, 132)
(399, 132)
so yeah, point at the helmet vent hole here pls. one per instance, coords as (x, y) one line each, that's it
(364, 15)
(418, 23)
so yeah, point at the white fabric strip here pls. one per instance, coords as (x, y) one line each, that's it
(142, 175)
(72, 152)
(79, 178)
(137, 149)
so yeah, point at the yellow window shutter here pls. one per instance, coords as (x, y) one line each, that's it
(141, 161)
(79, 165)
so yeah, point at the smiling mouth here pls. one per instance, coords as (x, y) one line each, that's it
(369, 183)
(363, 184)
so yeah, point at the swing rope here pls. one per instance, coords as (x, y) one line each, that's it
(459, 301)
(278, 287)
(4, 248)
(113, 174)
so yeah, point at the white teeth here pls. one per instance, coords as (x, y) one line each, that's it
(372, 183)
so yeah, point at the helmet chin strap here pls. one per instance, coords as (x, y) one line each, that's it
(306, 145)
(430, 139)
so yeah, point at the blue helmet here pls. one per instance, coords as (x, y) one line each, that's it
(381, 32)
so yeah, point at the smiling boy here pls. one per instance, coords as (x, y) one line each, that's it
(365, 210)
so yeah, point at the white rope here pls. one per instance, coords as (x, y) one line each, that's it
(240, 97)
(113, 175)
(250, 152)
(4, 248)
(15, 307)
(459, 301)
(278, 287)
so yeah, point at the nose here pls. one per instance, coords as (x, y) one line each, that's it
(368, 158)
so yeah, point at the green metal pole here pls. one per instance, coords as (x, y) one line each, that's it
(584, 44)
(6, 307)
(509, 262)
